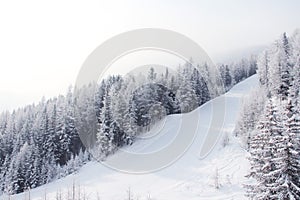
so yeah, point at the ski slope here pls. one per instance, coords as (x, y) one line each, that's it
(192, 176)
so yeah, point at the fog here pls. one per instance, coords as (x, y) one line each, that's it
(44, 43)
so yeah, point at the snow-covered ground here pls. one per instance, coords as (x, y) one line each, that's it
(192, 176)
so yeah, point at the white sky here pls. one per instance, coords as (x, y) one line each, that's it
(44, 43)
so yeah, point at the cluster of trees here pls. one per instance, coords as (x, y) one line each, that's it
(39, 143)
(253, 107)
(235, 72)
(274, 141)
(43, 142)
(130, 105)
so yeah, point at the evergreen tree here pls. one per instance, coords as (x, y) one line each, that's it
(186, 94)
(262, 147)
(286, 157)
(263, 68)
(280, 77)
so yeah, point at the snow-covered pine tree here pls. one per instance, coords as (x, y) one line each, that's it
(250, 114)
(151, 75)
(186, 94)
(263, 69)
(226, 76)
(121, 115)
(71, 142)
(286, 156)
(294, 90)
(280, 77)
(104, 133)
(200, 87)
(262, 146)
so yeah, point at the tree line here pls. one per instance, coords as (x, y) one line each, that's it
(51, 139)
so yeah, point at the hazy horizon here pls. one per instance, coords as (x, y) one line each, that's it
(43, 44)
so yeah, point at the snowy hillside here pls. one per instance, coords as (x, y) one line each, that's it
(190, 177)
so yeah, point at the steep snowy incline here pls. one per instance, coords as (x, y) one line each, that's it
(192, 176)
